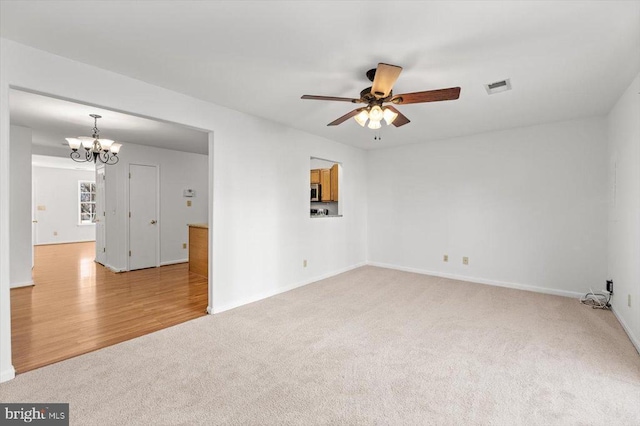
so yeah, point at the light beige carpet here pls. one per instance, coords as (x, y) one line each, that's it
(371, 346)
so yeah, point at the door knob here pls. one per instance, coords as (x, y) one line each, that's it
(153, 222)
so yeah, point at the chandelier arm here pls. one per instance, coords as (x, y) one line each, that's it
(103, 157)
(108, 158)
(77, 157)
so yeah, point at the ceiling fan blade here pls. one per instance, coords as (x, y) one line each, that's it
(330, 98)
(428, 96)
(400, 120)
(345, 117)
(386, 76)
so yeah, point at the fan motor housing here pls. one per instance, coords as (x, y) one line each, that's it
(369, 97)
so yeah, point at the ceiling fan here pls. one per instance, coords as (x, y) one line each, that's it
(383, 79)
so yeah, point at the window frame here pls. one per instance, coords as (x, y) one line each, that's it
(92, 183)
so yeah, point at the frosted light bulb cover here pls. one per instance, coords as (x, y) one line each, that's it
(389, 116)
(362, 117)
(376, 113)
(105, 144)
(115, 147)
(87, 142)
(374, 124)
(74, 143)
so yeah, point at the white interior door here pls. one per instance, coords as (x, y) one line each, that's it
(101, 249)
(143, 217)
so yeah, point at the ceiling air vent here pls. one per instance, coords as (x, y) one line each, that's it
(498, 86)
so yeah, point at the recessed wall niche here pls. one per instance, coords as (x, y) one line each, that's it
(326, 188)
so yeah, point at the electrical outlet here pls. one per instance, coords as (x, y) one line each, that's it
(188, 203)
(445, 258)
(304, 263)
(628, 300)
(184, 245)
(465, 260)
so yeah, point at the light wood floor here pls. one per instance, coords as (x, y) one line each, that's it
(78, 306)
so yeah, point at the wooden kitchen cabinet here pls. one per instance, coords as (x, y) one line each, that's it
(334, 182)
(315, 176)
(328, 180)
(325, 185)
(199, 249)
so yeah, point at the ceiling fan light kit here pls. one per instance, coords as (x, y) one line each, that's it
(95, 148)
(375, 115)
(383, 78)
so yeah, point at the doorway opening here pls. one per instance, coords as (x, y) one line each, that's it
(82, 279)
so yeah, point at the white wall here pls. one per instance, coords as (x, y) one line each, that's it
(178, 171)
(263, 230)
(624, 212)
(56, 191)
(21, 206)
(527, 206)
(260, 224)
(316, 163)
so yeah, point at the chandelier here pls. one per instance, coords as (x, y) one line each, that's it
(95, 148)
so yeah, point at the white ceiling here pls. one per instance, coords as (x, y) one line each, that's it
(566, 59)
(60, 163)
(52, 120)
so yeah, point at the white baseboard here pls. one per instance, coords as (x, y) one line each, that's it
(118, 270)
(23, 284)
(8, 374)
(113, 268)
(518, 286)
(209, 310)
(634, 339)
(174, 262)
(51, 243)
(270, 293)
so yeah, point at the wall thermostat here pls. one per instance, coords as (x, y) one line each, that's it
(189, 193)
